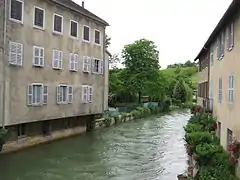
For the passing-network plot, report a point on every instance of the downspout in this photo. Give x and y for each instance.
(4, 60)
(104, 69)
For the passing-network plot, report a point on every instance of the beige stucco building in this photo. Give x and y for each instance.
(222, 52)
(53, 68)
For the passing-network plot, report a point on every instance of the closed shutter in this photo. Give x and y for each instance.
(58, 94)
(30, 94)
(70, 94)
(45, 94)
(90, 94)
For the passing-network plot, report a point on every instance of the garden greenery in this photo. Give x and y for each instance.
(204, 145)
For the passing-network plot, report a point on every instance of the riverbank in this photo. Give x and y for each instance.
(91, 124)
(207, 158)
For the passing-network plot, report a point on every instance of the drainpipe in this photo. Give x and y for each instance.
(104, 69)
(4, 61)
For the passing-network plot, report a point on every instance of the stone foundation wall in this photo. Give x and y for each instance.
(39, 139)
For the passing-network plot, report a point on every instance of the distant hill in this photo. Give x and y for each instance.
(191, 72)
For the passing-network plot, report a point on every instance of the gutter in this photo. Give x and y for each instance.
(4, 60)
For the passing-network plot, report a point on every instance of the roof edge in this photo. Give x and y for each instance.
(228, 13)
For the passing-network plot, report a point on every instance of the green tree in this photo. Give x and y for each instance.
(142, 65)
(107, 41)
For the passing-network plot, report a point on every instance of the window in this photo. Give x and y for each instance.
(38, 56)
(73, 28)
(220, 46)
(86, 33)
(73, 62)
(37, 94)
(220, 90)
(64, 94)
(15, 53)
(86, 64)
(97, 66)
(231, 89)
(229, 136)
(97, 37)
(230, 36)
(211, 56)
(57, 59)
(16, 10)
(57, 24)
(87, 94)
(21, 130)
(39, 18)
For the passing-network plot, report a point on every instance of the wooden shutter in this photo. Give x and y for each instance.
(60, 56)
(89, 65)
(75, 62)
(93, 66)
(58, 94)
(45, 94)
(30, 94)
(232, 35)
(101, 66)
(70, 94)
(85, 64)
(90, 94)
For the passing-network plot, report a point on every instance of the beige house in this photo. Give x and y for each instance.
(222, 52)
(53, 68)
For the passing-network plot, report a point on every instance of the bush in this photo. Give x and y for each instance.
(107, 121)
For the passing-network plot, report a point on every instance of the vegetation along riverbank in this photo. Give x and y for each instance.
(207, 158)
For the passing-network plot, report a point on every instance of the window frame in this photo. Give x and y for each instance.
(87, 64)
(87, 41)
(42, 95)
(67, 94)
(57, 32)
(16, 20)
(60, 61)
(71, 20)
(220, 94)
(9, 56)
(96, 30)
(75, 62)
(38, 65)
(36, 26)
(231, 88)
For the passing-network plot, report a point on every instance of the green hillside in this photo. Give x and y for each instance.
(188, 72)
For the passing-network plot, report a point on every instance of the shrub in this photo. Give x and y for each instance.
(107, 121)
(136, 113)
(124, 116)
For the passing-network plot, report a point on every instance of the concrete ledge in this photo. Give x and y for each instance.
(33, 141)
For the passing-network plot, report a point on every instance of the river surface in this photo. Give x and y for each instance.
(145, 149)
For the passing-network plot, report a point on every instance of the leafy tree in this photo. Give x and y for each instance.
(142, 65)
(113, 60)
(107, 41)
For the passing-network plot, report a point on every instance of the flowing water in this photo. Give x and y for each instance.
(145, 149)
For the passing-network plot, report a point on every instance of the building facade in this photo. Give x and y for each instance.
(53, 66)
(223, 49)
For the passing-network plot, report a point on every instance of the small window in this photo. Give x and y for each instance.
(231, 89)
(230, 36)
(57, 23)
(16, 10)
(38, 56)
(64, 94)
(39, 18)
(87, 94)
(21, 130)
(73, 62)
(15, 53)
(211, 56)
(86, 33)
(86, 64)
(57, 59)
(37, 94)
(97, 66)
(220, 90)
(74, 29)
(97, 37)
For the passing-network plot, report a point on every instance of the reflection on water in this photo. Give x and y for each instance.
(146, 149)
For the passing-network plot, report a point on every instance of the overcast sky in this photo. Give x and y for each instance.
(179, 28)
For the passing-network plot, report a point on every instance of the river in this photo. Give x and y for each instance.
(145, 149)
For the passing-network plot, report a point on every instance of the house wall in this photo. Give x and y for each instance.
(18, 78)
(226, 113)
